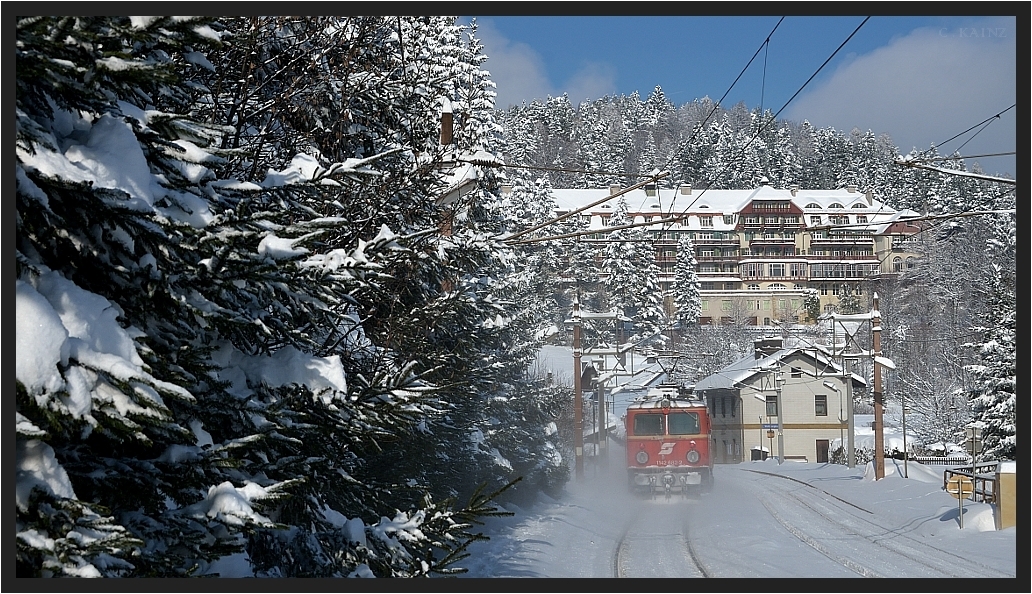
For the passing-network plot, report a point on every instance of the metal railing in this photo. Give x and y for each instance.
(982, 474)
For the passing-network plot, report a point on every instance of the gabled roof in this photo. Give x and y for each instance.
(743, 370)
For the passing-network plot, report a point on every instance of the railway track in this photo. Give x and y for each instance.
(890, 549)
(655, 543)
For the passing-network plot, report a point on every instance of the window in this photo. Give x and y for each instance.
(897, 264)
(835, 205)
(683, 423)
(798, 269)
(813, 205)
(729, 219)
(820, 405)
(752, 270)
(777, 270)
(777, 287)
(772, 220)
(861, 218)
(723, 406)
(910, 263)
(796, 372)
(725, 305)
(838, 219)
(772, 406)
(754, 287)
(648, 424)
(859, 205)
(706, 221)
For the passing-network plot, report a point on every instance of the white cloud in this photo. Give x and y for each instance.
(591, 82)
(521, 75)
(516, 69)
(923, 88)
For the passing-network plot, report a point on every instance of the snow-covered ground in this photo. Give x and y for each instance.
(761, 520)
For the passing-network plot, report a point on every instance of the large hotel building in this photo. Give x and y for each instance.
(758, 250)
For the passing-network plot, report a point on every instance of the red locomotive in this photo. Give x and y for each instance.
(668, 442)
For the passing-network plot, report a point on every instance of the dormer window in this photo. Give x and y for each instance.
(835, 205)
(813, 205)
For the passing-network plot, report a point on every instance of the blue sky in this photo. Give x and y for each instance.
(921, 80)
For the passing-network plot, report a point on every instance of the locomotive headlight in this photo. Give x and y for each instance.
(693, 456)
(642, 456)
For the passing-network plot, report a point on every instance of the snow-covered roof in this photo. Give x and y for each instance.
(678, 203)
(736, 374)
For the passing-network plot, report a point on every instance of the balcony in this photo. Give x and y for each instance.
(841, 256)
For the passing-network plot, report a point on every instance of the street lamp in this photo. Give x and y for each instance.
(759, 444)
(903, 401)
(841, 420)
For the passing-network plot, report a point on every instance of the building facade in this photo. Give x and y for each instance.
(758, 251)
(800, 383)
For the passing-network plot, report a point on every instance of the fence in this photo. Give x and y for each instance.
(943, 460)
(982, 474)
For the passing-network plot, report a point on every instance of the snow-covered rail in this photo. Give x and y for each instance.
(656, 543)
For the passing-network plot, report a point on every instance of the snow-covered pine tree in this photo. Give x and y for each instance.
(110, 198)
(631, 278)
(687, 298)
(220, 293)
(993, 401)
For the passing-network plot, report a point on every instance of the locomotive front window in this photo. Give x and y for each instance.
(648, 424)
(683, 423)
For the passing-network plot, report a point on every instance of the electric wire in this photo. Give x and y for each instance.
(985, 121)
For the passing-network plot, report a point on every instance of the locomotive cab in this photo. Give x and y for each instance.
(668, 442)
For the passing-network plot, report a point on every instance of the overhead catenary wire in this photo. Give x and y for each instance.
(956, 157)
(985, 121)
(774, 118)
(653, 178)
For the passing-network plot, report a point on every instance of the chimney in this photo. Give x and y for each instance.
(870, 197)
(851, 188)
(613, 189)
(686, 189)
(794, 189)
(650, 189)
(765, 347)
(764, 181)
(506, 188)
(446, 121)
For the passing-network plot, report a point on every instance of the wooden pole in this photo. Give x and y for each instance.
(578, 427)
(879, 433)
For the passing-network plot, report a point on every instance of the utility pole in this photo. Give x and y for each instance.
(578, 428)
(601, 434)
(851, 451)
(879, 433)
(781, 425)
